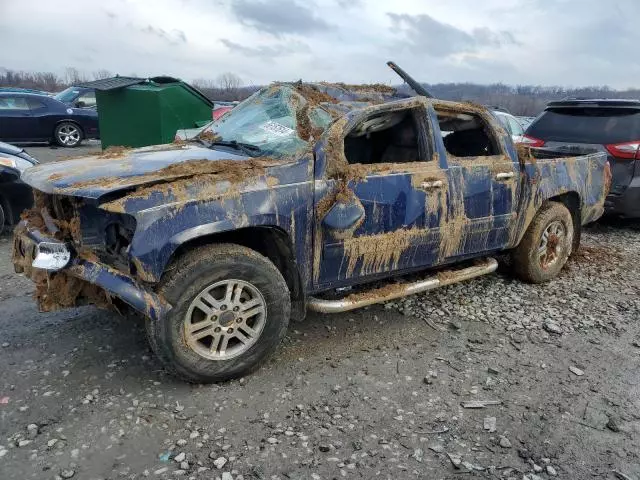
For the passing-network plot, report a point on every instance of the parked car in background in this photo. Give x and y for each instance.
(512, 125)
(26, 117)
(78, 97)
(190, 133)
(15, 196)
(609, 126)
(525, 121)
(220, 111)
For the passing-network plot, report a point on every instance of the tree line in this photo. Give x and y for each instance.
(527, 100)
(226, 87)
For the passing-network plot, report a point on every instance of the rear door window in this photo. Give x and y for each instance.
(13, 103)
(587, 125)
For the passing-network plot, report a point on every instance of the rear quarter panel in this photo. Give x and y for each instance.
(544, 179)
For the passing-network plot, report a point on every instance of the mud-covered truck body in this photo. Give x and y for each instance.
(304, 196)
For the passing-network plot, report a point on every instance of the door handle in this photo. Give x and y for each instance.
(505, 175)
(432, 185)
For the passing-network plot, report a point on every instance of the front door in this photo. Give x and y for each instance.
(383, 207)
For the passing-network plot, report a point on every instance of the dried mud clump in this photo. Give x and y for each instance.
(114, 152)
(525, 155)
(233, 170)
(57, 291)
(365, 88)
(179, 179)
(209, 136)
(313, 95)
(379, 294)
(378, 252)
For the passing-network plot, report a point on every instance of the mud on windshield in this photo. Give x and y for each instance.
(272, 122)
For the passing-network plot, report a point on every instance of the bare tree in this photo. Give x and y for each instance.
(229, 82)
(72, 76)
(204, 84)
(102, 73)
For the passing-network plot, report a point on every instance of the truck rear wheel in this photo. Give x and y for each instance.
(231, 309)
(546, 245)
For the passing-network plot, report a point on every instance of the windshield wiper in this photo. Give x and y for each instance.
(246, 148)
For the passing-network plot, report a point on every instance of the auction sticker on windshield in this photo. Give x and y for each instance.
(277, 129)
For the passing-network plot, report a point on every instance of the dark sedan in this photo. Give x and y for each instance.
(36, 118)
(15, 196)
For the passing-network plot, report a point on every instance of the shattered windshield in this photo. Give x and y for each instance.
(269, 121)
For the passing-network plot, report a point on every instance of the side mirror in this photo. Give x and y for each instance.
(344, 215)
(80, 104)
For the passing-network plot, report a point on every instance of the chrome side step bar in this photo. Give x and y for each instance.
(393, 291)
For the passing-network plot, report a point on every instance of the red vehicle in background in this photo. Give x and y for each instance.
(220, 111)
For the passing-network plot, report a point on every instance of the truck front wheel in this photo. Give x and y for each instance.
(231, 308)
(546, 245)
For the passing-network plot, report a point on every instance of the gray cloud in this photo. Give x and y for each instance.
(174, 37)
(486, 36)
(278, 17)
(425, 34)
(344, 40)
(350, 3)
(266, 51)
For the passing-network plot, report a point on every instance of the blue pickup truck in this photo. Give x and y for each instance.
(305, 196)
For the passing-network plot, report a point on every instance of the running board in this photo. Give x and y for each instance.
(393, 291)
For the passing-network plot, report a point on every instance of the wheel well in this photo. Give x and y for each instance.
(68, 121)
(571, 200)
(271, 242)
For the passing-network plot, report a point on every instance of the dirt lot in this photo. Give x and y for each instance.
(377, 393)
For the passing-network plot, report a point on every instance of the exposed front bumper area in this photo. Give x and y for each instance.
(64, 278)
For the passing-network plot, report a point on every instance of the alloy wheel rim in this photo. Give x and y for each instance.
(69, 135)
(551, 244)
(225, 320)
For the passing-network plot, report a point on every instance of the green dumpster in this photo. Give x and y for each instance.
(135, 112)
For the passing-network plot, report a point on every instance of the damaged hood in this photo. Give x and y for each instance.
(96, 176)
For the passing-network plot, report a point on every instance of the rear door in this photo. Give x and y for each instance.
(603, 129)
(483, 172)
(15, 118)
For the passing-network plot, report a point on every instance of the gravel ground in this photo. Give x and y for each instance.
(604, 267)
(514, 382)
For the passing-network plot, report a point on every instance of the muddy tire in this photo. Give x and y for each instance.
(231, 309)
(546, 245)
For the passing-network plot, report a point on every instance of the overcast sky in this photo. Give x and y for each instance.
(550, 42)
